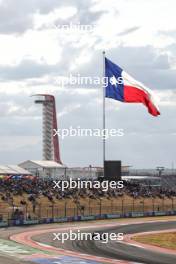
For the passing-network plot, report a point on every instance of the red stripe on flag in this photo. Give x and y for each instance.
(135, 95)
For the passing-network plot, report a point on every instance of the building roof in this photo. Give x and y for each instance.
(13, 170)
(45, 164)
(140, 178)
(19, 170)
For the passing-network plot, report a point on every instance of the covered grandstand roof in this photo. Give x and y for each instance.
(13, 170)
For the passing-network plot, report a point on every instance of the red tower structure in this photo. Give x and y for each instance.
(51, 149)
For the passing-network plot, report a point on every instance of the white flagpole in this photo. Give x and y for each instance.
(104, 116)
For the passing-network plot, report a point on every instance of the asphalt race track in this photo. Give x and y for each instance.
(34, 244)
(119, 250)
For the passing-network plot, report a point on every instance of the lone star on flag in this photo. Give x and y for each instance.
(113, 80)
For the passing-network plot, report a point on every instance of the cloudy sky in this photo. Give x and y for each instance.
(35, 50)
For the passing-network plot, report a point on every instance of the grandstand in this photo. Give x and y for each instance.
(36, 199)
(144, 180)
(166, 178)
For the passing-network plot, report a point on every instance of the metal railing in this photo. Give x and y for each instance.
(121, 207)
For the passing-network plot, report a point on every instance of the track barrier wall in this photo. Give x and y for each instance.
(11, 222)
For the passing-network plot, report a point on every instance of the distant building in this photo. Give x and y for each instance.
(44, 168)
(52, 169)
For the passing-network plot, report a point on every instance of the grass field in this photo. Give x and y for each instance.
(165, 240)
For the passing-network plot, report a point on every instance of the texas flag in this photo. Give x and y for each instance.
(122, 87)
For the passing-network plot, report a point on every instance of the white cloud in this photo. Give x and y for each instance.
(40, 46)
(9, 143)
(132, 33)
(51, 18)
(150, 16)
(167, 97)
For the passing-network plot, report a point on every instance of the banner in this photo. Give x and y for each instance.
(30, 222)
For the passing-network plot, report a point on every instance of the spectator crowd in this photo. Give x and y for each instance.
(36, 187)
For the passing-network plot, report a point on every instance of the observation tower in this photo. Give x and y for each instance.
(51, 150)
